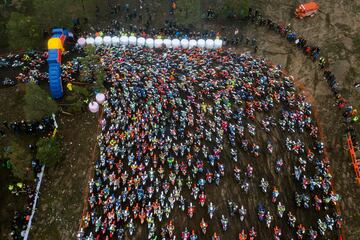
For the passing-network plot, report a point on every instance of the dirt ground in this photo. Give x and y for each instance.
(333, 29)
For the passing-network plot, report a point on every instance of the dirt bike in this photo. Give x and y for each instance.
(268, 219)
(261, 212)
(224, 222)
(279, 165)
(170, 228)
(277, 233)
(242, 212)
(203, 226)
(275, 195)
(202, 199)
(191, 210)
(280, 209)
(185, 235)
(131, 227)
(264, 185)
(211, 210)
(242, 235)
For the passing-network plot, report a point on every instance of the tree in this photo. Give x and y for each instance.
(188, 12)
(20, 159)
(48, 151)
(38, 103)
(23, 32)
(238, 8)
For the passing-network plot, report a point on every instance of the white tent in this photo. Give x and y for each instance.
(150, 42)
(93, 107)
(158, 43)
(218, 43)
(141, 41)
(184, 43)
(192, 43)
(201, 43)
(81, 41)
(167, 43)
(132, 40)
(107, 40)
(90, 41)
(175, 43)
(100, 98)
(124, 40)
(98, 41)
(209, 44)
(115, 41)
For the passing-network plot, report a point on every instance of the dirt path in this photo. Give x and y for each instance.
(62, 189)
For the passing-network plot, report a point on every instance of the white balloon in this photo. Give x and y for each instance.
(93, 107)
(141, 41)
(184, 43)
(107, 40)
(124, 40)
(150, 42)
(192, 43)
(98, 41)
(132, 40)
(175, 43)
(209, 44)
(100, 98)
(167, 42)
(201, 43)
(218, 43)
(158, 43)
(115, 41)
(90, 41)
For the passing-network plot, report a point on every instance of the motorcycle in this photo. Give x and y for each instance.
(202, 199)
(242, 213)
(170, 228)
(203, 226)
(131, 227)
(242, 235)
(280, 209)
(279, 165)
(268, 219)
(300, 231)
(215, 237)
(185, 235)
(261, 212)
(291, 219)
(275, 195)
(269, 147)
(245, 186)
(232, 208)
(191, 210)
(211, 210)
(277, 233)
(264, 185)
(249, 171)
(224, 222)
(237, 174)
(193, 235)
(252, 233)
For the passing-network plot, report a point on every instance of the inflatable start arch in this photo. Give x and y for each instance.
(55, 49)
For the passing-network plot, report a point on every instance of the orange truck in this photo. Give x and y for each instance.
(306, 10)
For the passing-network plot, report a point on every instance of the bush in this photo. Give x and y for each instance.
(38, 103)
(48, 151)
(20, 159)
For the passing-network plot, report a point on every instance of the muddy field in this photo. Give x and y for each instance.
(333, 29)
